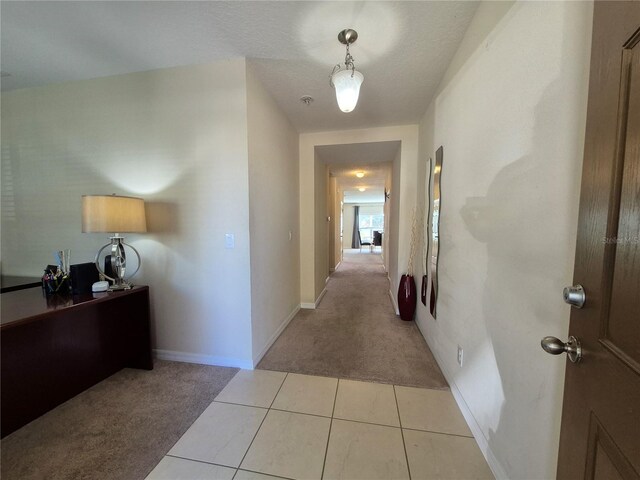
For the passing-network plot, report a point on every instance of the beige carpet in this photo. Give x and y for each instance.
(354, 333)
(118, 429)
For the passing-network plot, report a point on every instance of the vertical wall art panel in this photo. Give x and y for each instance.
(435, 226)
(427, 243)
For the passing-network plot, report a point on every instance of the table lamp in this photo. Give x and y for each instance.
(114, 214)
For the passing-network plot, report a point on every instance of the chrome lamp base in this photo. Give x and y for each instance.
(118, 263)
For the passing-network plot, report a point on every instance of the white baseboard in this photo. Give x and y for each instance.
(321, 296)
(202, 359)
(481, 440)
(394, 302)
(275, 336)
(312, 306)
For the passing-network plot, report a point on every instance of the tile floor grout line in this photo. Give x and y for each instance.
(404, 443)
(333, 417)
(366, 423)
(262, 422)
(300, 413)
(280, 388)
(260, 473)
(438, 433)
(241, 405)
(326, 450)
(252, 440)
(376, 382)
(199, 461)
(335, 398)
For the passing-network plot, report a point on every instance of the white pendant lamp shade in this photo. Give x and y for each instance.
(347, 84)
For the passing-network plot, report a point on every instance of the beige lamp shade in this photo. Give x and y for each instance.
(111, 213)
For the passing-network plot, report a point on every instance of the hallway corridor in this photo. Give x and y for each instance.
(355, 334)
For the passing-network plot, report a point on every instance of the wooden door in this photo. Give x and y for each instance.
(600, 434)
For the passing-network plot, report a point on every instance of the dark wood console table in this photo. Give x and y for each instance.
(54, 348)
(10, 283)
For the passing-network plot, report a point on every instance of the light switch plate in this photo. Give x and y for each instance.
(229, 240)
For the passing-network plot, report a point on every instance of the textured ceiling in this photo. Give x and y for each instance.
(403, 48)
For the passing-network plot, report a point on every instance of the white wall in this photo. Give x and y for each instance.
(349, 213)
(177, 138)
(321, 245)
(337, 230)
(273, 217)
(396, 266)
(511, 117)
(388, 184)
(313, 256)
(332, 187)
(347, 225)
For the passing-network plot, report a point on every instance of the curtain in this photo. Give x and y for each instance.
(355, 238)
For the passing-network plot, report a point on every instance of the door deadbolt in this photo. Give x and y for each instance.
(555, 346)
(574, 296)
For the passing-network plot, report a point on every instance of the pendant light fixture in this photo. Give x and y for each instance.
(346, 80)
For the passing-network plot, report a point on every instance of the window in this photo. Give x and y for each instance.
(369, 224)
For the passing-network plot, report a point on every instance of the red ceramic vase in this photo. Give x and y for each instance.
(407, 297)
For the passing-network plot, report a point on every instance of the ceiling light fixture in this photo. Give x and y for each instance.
(346, 80)
(359, 174)
(361, 189)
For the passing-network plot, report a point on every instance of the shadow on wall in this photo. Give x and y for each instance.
(162, 217)
(159, 261)
(522, 248)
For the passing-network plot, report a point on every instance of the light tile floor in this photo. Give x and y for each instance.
(273, 425)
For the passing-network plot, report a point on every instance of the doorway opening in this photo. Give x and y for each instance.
(358, 177)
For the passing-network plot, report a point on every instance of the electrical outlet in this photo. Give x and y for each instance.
(460, 355)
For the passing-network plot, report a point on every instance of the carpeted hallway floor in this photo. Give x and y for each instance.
(354, 333)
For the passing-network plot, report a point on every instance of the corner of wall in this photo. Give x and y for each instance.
(274, 218)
